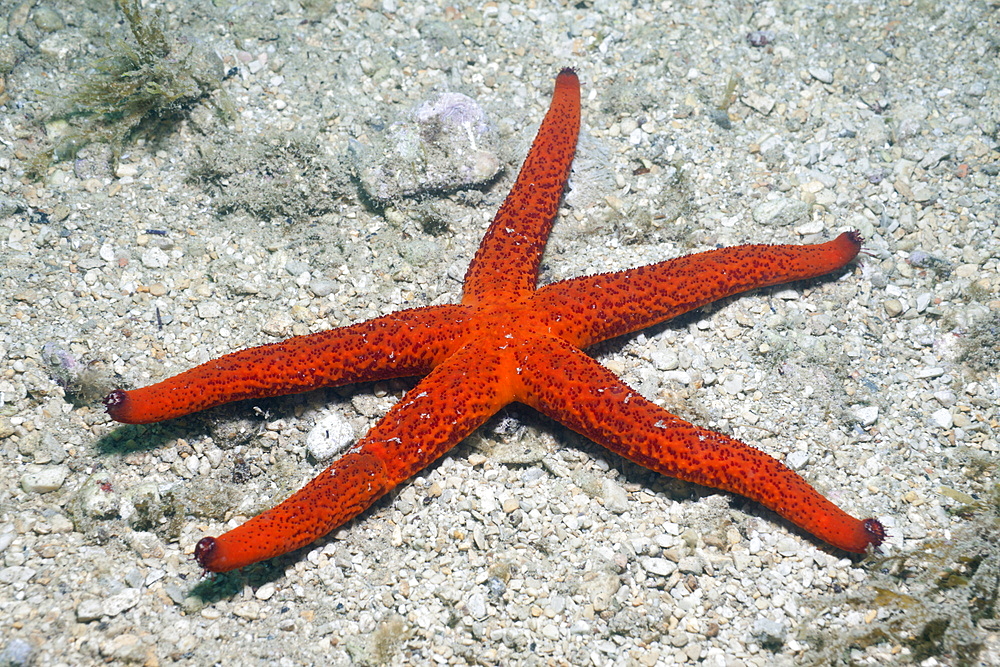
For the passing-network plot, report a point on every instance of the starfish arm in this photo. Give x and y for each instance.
(590, 309)
(565, 384)
(446, 406)
(507, 260)
(409, 342)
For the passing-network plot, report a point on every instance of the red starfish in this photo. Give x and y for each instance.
(508, 341)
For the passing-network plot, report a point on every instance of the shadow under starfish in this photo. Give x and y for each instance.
(508, 341)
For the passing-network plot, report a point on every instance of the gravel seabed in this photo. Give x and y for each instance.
(527, 544)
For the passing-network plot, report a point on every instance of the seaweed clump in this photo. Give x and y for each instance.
(280, 175)
(148, 79)
(939, 601)
(981, 347)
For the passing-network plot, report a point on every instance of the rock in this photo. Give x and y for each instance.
(781, 212)
(154, 258)
(821, 74)
(866, 415)
(942, 418)
(893, 307)
(476, 606)
(661, 567)
(88, 610)
(120, 602)
(770, 634)
(331, 435)
(44, 480)
(615, 498)
(759, 102)
(442, 144)
(17, 653)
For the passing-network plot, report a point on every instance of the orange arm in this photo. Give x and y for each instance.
(590, 309)
(507, 260)
(447, 405)
(567, 385)
(406, 343)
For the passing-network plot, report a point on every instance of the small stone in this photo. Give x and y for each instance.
(942, 418)
(209, 310)
(922, 301)
(787, 546)
(17, 653)
(321, 287)
(759, 102)
(732, 384)
(932, 158)
(664, 359)
(61, 524)
(600, 589)
(691, 565)
(680, 377)
(154, 258)
(279, 324)
(119, 602)
(661, 567)
(88, 610)
(476, 606)
(821, 74)
(331, 435)
(157, 289)
(296, 267)
(679, 639)
(44, 480)
(867, 415)
(265, 592)
(893, 307)
(47, 20)
(966, 270)
(97, 498)
(146, 544)
(946, 397)
(780, 212)
(126, 169)
(760, 38)
(922, 193)
(797, 459)
(770, 634)
(126, 648)
(615, 497)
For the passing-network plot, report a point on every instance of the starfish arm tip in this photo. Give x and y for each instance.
(204, 552)
(874, 531)
(117, 404)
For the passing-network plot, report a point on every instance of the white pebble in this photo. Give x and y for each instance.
(154, 258)
(661, 567)
(120, 602)
(265, 592)
(867, 415)
(615, 498)
(476, 606)
(45, 480)
(942, 418)
(329, 437)
(208, 309)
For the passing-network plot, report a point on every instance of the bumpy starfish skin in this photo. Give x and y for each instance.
(509, 342)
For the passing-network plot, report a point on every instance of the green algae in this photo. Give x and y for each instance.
(147, 81)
